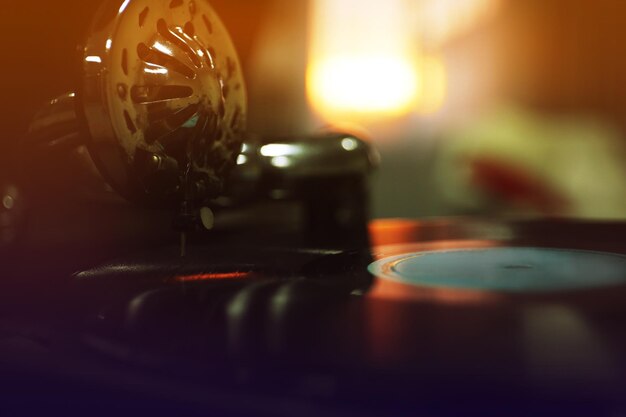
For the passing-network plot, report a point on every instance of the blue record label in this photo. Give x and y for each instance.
(508, 269)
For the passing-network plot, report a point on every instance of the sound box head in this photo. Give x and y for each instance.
(163, 99)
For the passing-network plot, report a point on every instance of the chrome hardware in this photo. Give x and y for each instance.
(162, 101)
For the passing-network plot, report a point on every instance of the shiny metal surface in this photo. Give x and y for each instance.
(163, 98)
(321, 156)
(289, 167)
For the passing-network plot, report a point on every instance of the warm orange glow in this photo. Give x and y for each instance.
(211, 277)
(380, 59)
(363, 61)
(379, 85)
(393, 231)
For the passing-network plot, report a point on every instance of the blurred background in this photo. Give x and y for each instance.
(478, 107)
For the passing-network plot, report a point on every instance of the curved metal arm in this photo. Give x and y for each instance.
(265, 168)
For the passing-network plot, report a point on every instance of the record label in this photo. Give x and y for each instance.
(511, 269)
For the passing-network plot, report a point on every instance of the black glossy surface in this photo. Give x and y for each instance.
(288, 335)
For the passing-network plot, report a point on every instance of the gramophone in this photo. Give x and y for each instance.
(405, 317)
(158, 118)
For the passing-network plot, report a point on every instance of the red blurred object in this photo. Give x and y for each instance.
(211, 277)
(516, 186)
